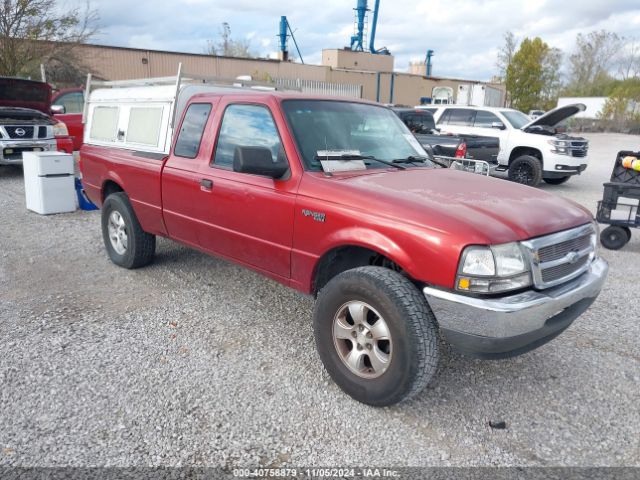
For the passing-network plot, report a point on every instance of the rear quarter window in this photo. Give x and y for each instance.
(192, 129)
(462, 117)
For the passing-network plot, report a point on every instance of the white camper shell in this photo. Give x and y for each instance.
(140, 115)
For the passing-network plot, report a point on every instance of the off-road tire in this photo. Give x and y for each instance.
(526, 170)
(557, 180)
(614, 237)
(411, 323)
(141, 245)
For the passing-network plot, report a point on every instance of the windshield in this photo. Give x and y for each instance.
(353, 128)
(516, 119)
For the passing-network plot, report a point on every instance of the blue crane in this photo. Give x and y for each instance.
(357, 40)
(285, 27)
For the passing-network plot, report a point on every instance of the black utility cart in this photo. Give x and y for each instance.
(619, 207)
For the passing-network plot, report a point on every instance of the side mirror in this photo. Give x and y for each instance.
(498, 125)
(258, 161)
(58, 110)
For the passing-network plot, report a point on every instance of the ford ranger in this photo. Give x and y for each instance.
(336, 199)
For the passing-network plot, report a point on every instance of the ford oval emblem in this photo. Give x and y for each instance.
(573, 257)
(20, 132)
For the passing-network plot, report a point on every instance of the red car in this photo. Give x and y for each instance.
(337, 199)
(66, 106)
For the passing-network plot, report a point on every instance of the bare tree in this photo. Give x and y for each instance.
(505, 58)
(629, 59)
(33, 32)
(227, 46)
(505, 54)
(590, 65)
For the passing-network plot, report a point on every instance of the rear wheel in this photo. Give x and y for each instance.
(615, 237)
(127, 244)
(557, 180)
(376, 335)
(526, 170)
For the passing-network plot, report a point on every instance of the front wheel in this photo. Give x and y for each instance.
(127, 244)
(526, 170)
(615, 237)
(557, 180)
(376, 335)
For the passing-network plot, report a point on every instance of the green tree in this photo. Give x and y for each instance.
(34, 32)
(533, 78)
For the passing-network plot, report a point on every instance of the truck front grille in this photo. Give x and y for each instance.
(560, 257)
(564, 270)
(18, 132)
(579, 149)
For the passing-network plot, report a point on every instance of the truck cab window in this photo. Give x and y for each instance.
(188, 143)
(72, 102)
(246, 126)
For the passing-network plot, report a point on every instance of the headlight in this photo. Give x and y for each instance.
(560, 146)
(60, 129)
(494, 269)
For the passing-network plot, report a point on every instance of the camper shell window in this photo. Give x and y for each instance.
(104, 124)
(144, 125)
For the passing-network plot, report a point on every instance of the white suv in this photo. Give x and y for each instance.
(530, 150)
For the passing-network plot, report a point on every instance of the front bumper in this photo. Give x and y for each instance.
(562, 171)
(512, 325)
(21, 146)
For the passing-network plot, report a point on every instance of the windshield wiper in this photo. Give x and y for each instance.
(348, 156)
(411, 159)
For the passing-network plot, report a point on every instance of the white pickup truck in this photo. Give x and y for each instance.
(530, 150)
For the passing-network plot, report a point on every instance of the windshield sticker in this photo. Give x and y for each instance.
(331, 166)
(337, 153)
(414, 143)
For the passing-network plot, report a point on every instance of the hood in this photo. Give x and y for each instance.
(16, 92)
(557, 115)
(470, 208)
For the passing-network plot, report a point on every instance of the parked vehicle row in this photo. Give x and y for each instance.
(530, 150)
(423, 126)
(337, 199)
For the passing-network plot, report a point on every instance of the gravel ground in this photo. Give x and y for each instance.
(194, 361)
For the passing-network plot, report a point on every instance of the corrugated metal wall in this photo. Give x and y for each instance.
(321, 88)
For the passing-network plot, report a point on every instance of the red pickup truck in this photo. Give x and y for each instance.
(336, 199)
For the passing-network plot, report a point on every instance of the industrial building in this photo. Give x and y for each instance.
(343, 72)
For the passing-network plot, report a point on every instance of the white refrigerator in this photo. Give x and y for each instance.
(49, 182)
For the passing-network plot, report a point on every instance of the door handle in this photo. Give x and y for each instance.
(206, 184)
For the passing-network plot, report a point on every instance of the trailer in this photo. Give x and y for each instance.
(479, 95)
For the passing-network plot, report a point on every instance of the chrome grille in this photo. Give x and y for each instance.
(560, 257)
(19, 133)
(563, 270)
(560, 250)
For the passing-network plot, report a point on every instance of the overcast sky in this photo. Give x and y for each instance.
(465, 34)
